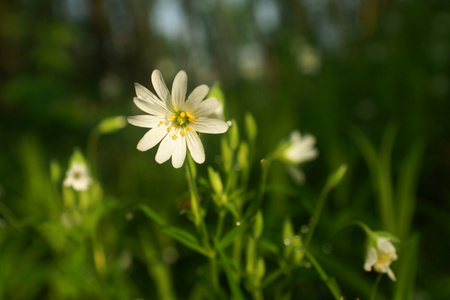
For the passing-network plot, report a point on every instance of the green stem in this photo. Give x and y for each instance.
(272, 277)
(200, 224)
(265, 166)
(331, 284)
(316, 215)
(373, 294)
(220, 224)
(237, 255)
(362, 226)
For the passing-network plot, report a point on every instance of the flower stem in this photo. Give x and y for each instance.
(373, 293)
(362, 226)
(265, 166)
(331, 284)
(200, 223)
(316, 215)
(220, 224)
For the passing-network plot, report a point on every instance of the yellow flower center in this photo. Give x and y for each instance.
(181, 119)
(382, 258)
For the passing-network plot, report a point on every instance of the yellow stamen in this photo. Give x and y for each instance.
(383, 259)
(188, 128)
(162, 122)
(175, 136)
(191, 117)
(182, 114)
(170, 127)
(182, 132)
(175, 108)
(172, 117)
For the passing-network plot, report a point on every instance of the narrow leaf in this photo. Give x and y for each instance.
(234, 287)
(231, 235)
(180, 235)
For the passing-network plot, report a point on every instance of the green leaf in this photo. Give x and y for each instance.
(234, 286)
(382, 184)
(180, 235)
(406, 187)
(231, 235)
(407, 267)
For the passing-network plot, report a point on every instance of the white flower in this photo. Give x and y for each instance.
(380, 254)
(300, 149)
(174, 120)
(78, 177)
(296, 150)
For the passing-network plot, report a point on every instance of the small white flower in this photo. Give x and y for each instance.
(300, 149)
(78, 177)
(380, 254)
(174, 120)
(296, 150)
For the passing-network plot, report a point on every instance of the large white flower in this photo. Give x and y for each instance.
(380, 254)
(78, 177)
(174, 120)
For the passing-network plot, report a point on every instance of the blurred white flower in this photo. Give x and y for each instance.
(380, 254)
(300, 149)
(78, 177)
(175, 120)
(295, 151)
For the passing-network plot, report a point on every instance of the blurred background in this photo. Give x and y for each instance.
(321, 66)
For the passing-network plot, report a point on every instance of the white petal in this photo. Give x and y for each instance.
(385, 245)
(179, 89)
(143, 93)
(391, 274)
(166, 148)
(371, 258)
(296, 136)
(206, 108)
(145, 121)
(179, 152)
(160, 86)
(150, 108)
(208, 125)
(151, 138)
(195, 146)
(197, 95)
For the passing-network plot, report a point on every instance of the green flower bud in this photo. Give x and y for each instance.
(335, 178)
(251, 256)
(234, 135)
(251, 127)
(243, 155)
(216, 181)
(227, 155)
(260, 269)
(259, 225)
(112, 124)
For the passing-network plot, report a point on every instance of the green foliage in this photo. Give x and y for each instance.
(374, 92)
